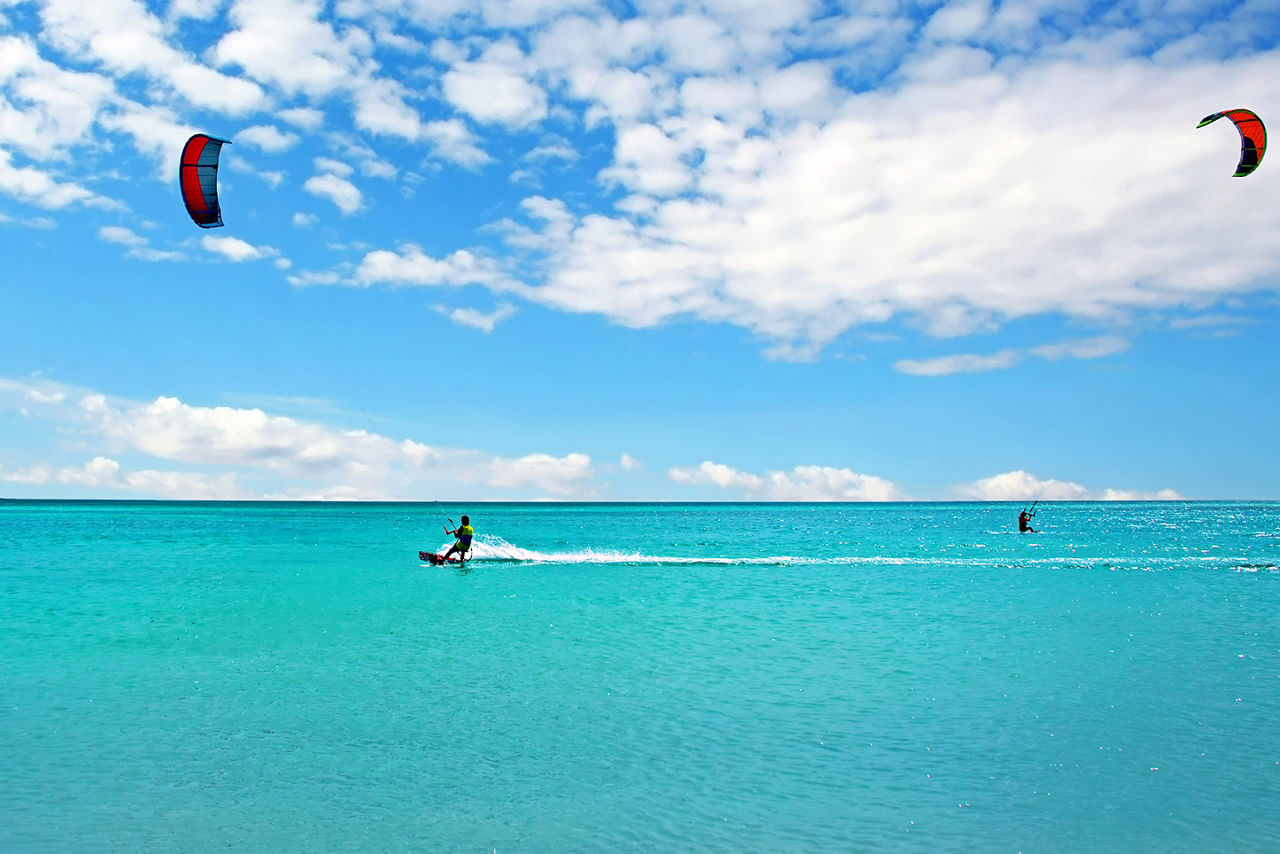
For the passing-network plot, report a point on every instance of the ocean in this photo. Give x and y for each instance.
(640, 677)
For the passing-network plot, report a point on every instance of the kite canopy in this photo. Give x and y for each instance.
(1253, 137)
(198, 178)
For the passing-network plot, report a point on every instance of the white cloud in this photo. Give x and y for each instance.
(1021, 485)
(312, 277)
(283, 43)
(340, 191)
(29, 184)
(629, 463)
(287, 44)
(105, 473)
(38, 396)
(475, 319)
(48, 108)
(126, 38)
(155, 132)
(334, 167)
(411, 266)
(1083, 348)
(826, 483)
(235, 249)
(647, 160)
(36, 475)
(139, 248)
(454, 142)
(803, 483)
(1137, 495)
(803, 230)
(717, 474)
(561, 150)
(958, 364)
(221, 448)
(381, 107)
(567, 475)
(1076, 348)
(169, 429)
(268, 138)
(40, 222)
(491, 91)
(1216, 320)
(121, 235)
(307, 118)
(200, 10)
(695, 43)
(958, 21)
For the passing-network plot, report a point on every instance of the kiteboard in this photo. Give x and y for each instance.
(437, 559)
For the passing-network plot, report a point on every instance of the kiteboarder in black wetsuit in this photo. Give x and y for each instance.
(1024, 520)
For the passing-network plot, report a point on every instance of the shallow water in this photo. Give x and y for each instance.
(765, 677)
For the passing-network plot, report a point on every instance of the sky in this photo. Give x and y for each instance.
(604, 250)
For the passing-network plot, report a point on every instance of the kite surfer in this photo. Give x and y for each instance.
(1024, 519)
(462, 544)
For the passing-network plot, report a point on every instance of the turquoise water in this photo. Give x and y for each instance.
(650, 677)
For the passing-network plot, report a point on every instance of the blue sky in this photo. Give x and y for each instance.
(569, 249)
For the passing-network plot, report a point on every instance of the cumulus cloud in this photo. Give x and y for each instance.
(803, 483)
(475, 319)
(235, 249)
(454, 142)
(32, 185)
(126, 38)
(716, 474)
(492, 90)
(253, 441)
(561, 476)
(332, 185)
(1019, 485)
(411, 266)
(218, 451)
(103, 473)
(268, 137)
(139, 246)
(48, 108)
(307, 118)
(757, 185)
(121, 235)
(1138, 495)
(803, 230)
(284, 43)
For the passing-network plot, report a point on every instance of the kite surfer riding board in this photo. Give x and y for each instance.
(457, 552)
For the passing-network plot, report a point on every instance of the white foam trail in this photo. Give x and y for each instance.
(493, 549)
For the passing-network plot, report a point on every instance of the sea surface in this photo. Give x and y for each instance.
(640, 677)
